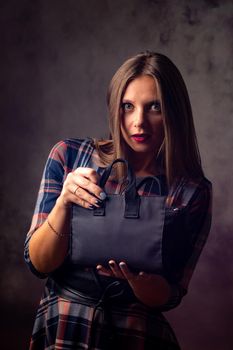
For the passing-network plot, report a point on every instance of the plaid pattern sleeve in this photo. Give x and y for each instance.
(64, 157)
(197, 228)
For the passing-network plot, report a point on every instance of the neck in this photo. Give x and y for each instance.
(144, 165)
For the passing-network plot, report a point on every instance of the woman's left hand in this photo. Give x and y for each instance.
(151, 289)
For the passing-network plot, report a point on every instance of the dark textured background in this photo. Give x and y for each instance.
(56, 60)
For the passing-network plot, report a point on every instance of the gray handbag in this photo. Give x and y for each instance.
(127, 227)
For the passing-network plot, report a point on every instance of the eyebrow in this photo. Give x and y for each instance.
(147, 103)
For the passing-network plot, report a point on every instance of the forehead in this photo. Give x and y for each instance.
(144, 86)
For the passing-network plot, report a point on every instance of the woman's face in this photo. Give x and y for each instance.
(141, 119)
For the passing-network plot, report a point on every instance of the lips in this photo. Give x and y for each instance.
(140, 137)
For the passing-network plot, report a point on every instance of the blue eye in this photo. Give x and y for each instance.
(127, 106)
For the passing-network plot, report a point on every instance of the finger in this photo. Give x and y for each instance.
(81, 202)
(88, 173)
(126, 272)
(67, 198)
(146, 276)
(85, 197)
(115, 269)
(76, 187)
(88, 178)
(104, 271)
(86, 184)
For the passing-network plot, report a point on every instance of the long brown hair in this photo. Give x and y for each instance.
(179, 152)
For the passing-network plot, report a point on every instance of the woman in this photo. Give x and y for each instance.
(151, 126)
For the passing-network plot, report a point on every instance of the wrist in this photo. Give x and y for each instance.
(61, 204)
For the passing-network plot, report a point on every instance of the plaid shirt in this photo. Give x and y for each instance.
(67, 155)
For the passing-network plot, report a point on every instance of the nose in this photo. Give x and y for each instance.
(139, 117)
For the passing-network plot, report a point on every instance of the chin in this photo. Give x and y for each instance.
(141, 148)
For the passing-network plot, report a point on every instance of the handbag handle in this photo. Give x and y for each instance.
(108, 170)
(153, 178)
(132, 199)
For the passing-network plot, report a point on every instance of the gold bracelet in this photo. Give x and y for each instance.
(57, 233)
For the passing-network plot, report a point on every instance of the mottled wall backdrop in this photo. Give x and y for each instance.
(57, 58)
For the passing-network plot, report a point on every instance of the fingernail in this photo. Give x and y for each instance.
(111, 263)
(98, 267)
(98, 202)
(122, 264)
(103, 196)
(91, 206)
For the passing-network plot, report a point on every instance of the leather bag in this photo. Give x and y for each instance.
(127, 227)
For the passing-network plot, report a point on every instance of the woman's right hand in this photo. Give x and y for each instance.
(80, 187)
(48, 246)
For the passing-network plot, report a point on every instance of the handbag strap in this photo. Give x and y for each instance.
(132, 199)
(108, 170)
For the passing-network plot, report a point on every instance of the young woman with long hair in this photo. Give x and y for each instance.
(151, 126)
